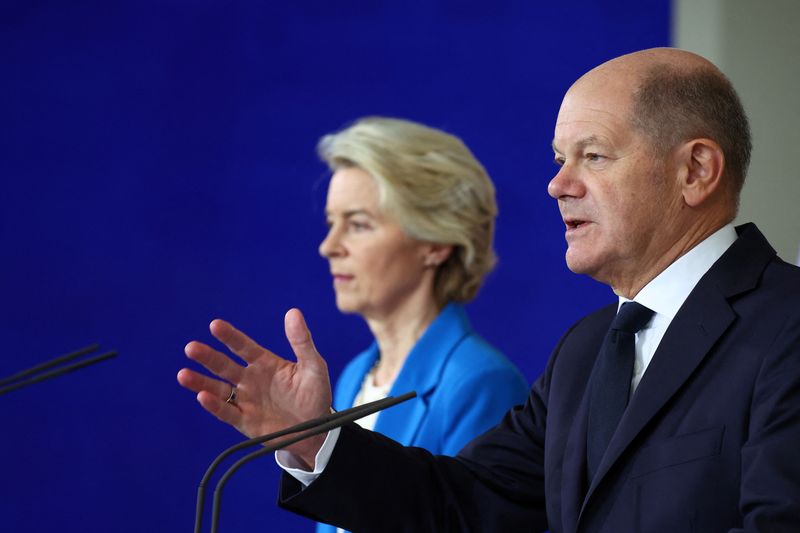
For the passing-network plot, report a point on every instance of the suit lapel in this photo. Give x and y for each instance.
(573, 475)
(701, 321)
(582, 355)
(693, 332)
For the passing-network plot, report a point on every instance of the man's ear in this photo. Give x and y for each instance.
(701, 164)
(436, 254)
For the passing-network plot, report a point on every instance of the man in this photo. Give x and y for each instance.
(685, 417)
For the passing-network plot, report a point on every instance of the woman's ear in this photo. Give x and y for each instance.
(436, 254)
(701, 163)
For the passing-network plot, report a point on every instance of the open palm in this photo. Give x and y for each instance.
(271, 392)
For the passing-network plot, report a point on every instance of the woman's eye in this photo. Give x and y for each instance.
(358, 226)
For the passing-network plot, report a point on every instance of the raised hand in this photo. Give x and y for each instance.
(269, 392)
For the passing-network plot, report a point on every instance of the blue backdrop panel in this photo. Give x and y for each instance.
(158, 170)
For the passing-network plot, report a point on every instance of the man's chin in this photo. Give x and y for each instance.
(579, 263)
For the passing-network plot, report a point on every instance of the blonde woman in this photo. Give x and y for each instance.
(411, 222)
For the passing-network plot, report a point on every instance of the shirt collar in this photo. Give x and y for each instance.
(666, 292)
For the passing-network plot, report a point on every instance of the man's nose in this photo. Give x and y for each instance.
(565, 183)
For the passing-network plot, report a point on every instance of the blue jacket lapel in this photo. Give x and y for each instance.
(350, 384)
(422, 373)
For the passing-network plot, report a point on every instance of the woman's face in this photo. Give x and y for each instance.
(376, 267)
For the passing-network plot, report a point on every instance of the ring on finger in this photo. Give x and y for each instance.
(232, 396)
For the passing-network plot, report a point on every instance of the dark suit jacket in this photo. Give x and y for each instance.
(709, 443)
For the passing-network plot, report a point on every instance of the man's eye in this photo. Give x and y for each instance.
(558, 160)
(591, 156)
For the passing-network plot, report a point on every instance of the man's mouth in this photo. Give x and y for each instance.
(574, 223)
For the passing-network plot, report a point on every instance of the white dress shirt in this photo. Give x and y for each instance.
(665, 294)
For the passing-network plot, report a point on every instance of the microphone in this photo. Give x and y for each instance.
(258, 440)
(22, 379)
(309, 428)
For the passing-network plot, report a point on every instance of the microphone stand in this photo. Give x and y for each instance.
(22, 379)
(309, 428)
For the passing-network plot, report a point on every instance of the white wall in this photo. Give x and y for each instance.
(757, 44)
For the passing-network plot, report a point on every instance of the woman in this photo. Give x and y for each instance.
(411, 221)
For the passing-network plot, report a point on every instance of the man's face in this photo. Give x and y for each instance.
(613, 190)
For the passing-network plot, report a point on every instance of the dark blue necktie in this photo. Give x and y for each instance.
(610, 383)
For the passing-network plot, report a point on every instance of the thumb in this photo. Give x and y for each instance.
(299, 336)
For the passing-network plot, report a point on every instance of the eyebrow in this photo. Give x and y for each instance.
(352, 212)
(581, 144)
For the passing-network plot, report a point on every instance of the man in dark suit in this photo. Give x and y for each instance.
(680, 412)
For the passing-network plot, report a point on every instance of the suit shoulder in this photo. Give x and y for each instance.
(783, 275)
(776, 293)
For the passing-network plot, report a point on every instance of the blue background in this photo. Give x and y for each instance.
(158, 170)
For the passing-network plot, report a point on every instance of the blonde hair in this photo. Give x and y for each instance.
(432, 186)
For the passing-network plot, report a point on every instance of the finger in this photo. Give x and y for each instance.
(237, 341)
(228, 413)
(198, 383)
(300, 337)
(215, 362)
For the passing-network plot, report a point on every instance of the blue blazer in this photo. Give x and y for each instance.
(464, 387)
(710, 441)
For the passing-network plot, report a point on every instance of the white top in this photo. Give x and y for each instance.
(369, 393)
(665, 295)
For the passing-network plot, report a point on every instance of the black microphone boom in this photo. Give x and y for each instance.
(201, 495)
(308, 429)
(37, 373)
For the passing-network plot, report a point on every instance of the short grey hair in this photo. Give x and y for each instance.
(432, 186)
(673, 105)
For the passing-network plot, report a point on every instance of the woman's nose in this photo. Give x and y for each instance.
(330, 245)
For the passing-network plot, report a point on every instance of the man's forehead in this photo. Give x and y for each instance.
(577, 143)
(581, 125)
